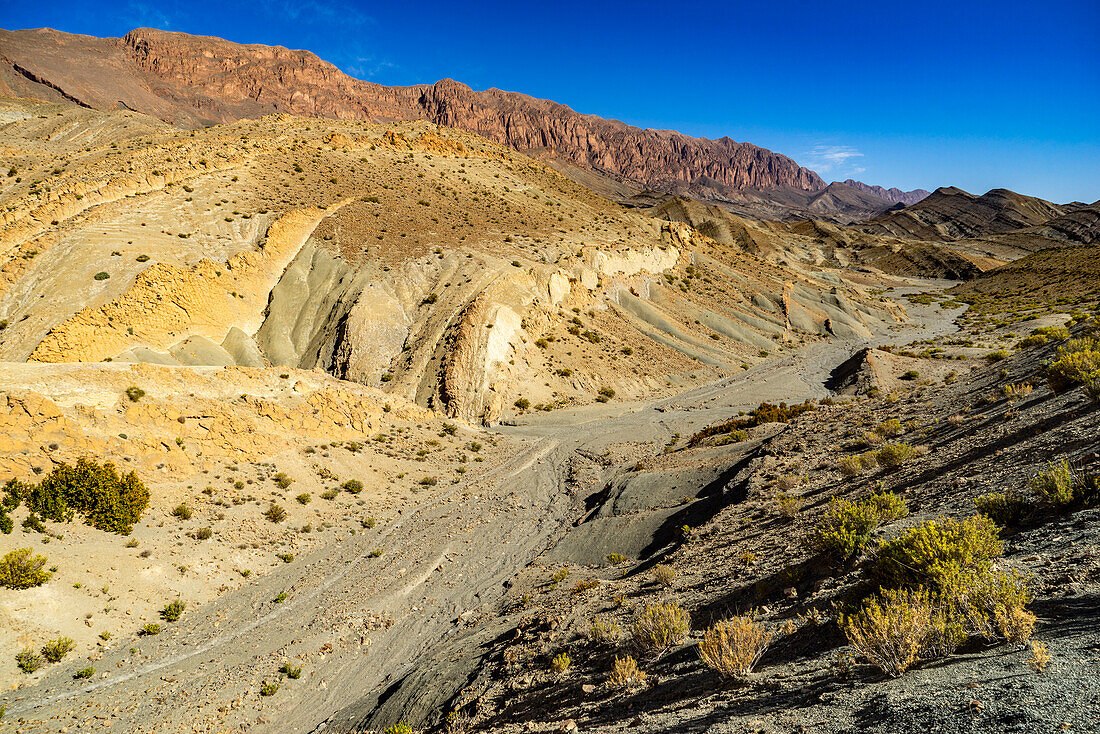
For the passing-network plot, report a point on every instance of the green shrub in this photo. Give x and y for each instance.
(28, 661)
(1003, 508)
(910, 375)
(354, 486)
(893, 455)
(55, 650)
(84, 673)
(890, 428)
(1077, 362)
(105, 500)
(21, 569)
(399, 728)
(101, 275)
(269, 689)
(182, 511)
(173, 611)
(1055, 484)
(937, 553)
(275, 513)
(304, 498)
(150, 629)
(523, 403)
(560, 663)
(204, 534)
(282, 481)
(290, 671)
(134, 393)
(847, 526)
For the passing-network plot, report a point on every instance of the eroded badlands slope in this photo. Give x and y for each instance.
(425, 261)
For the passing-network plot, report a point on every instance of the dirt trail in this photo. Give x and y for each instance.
(400, 632)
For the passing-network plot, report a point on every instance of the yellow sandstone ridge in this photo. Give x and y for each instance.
(167, 302)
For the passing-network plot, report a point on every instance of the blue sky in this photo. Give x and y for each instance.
(921, 94)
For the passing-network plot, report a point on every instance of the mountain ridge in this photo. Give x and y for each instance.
(193, 81)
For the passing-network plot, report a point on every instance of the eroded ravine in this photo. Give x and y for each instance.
(400, 636)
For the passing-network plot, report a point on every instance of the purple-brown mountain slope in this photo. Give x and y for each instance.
(893, 195)
(196, 80)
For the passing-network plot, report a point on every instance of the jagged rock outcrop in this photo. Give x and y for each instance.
(196, 80)
(893, 195)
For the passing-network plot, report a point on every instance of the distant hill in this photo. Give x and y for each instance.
(953, 214)
(894, 195)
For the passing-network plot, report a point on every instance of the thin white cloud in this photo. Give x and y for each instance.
(840, 158)
(365, 67)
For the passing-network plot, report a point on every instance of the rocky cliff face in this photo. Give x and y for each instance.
(195, 80)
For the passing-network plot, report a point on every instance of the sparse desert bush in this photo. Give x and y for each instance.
(290, 671)
(84, 673)
(659, 628)
(1054, 484)
(626, 674)
(173, 611)
(134, 393)
(585, 585)
(856, 464)
(282, 481)
(938, 553)
(890, 428)
(664, 575)
(523, 403)
(399, 728)
(22, 569)
(616, 558)
(352, 486)
(55, 651)
(329, 494)
(1017, 391)
(304, 498)
(1077, 363)
(1004, 508)
(789, 504)
(560, 663)
(846, 528)
(29, 661)
(600, 631)
(204, 534)
(96, 491)
(1040, 657)
(150, 629)
(891, 629)
(269, 689)
(429, 481)
(182, 511)
(893, 455)
(735, 646)
(910, 375)
(275, 513)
